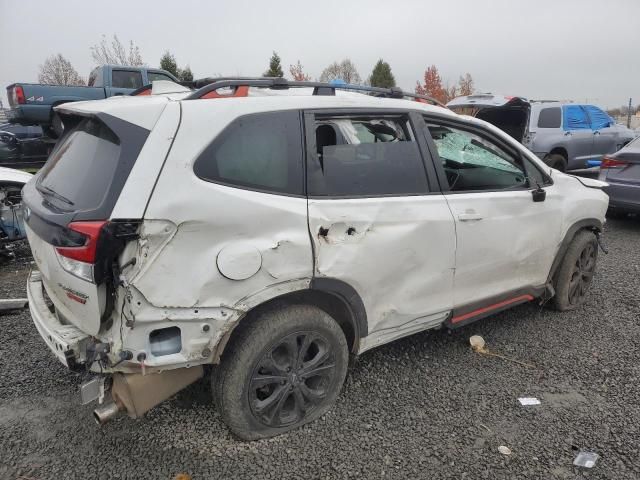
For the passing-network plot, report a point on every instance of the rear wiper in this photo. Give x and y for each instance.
(48, 191)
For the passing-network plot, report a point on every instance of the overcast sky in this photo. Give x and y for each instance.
(552, 49)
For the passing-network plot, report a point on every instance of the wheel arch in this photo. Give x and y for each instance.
(339, 299)
(591, 224)
(560, 151)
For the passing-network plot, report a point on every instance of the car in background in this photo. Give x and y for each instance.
(22, 131)
(11, 213)
(32, 103)
(23, 153)
(621, 170)
(566, 136)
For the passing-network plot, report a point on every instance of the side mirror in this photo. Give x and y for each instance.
(539, 194)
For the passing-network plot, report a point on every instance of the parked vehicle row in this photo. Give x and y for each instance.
(567, 136)
(23, 146)
(32, 104)
(621, 171)
(275, 235)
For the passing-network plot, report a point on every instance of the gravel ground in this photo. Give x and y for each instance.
(423, 407)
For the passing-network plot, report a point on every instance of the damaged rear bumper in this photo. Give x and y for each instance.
(67, 342)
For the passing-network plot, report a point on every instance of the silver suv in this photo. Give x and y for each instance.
(567, 136)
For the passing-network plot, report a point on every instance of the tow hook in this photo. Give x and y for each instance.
(601, 243)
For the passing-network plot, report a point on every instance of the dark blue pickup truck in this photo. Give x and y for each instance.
(32, 103)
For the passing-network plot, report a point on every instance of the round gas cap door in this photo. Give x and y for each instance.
(239, 261)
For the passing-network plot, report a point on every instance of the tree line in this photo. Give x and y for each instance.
(56, 69)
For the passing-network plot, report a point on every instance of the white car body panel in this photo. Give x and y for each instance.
(399, 257)
(11, 175)
(208, 253)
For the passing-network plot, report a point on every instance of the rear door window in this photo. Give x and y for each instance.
(575, 118)
(550, 117)
(366, 155)
(126, 79)
(80, 170)
(260, 152)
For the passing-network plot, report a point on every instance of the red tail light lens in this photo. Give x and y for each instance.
(18, 95)
(87, 252)
(608, 162)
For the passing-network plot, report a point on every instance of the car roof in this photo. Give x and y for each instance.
(130, 108)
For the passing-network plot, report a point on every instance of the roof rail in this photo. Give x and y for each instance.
(206, 88)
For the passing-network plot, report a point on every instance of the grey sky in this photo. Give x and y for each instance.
(564, 49)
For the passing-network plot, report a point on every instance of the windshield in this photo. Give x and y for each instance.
(80, 170)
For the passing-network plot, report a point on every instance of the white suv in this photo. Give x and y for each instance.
(274, 233)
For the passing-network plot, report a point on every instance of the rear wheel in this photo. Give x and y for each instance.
(557, 161)
(283, 370)
(576, 271)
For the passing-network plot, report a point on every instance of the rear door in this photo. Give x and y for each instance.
(505, 240)
(577, 129)
(376, 221)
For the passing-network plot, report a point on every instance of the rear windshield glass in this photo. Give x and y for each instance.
(80, 170)
(550, 117)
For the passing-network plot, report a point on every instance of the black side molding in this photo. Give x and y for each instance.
(347, 294)
(592, 224)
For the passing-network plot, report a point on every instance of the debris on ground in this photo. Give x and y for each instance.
(504, 450)
(479, 346)
(13, 304)
(529, 401)
(586, 459)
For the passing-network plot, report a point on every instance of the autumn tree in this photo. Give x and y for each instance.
(297, 73)
(57, 70)
(275, 69)
(432, 86)
(381, 75)
(114, 53)
(465, 85)
(345, 71)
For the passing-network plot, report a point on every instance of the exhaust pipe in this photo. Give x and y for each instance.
(106, 412)
(136, 393)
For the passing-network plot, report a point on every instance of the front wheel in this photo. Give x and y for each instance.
(576, 271)
(283, 370)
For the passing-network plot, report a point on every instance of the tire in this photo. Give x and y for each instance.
(57, 126)
(557, 161)
(265, 385)
(576, 271)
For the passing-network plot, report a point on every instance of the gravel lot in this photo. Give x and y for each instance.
(423, 407)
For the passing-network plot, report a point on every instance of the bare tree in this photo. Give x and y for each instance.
(57, 70)
(115, 53)
(345, 71)
(465, 85)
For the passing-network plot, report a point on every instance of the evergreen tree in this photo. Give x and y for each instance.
(168, 63)
(186, 75)
(381, 75)
(275, 69)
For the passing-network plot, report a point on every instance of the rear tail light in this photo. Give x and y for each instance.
(18, 95)
(609, 162)
(79, 260)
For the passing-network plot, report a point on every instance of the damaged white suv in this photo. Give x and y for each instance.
(274, 233)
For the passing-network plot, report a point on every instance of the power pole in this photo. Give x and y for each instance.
(629, 115)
